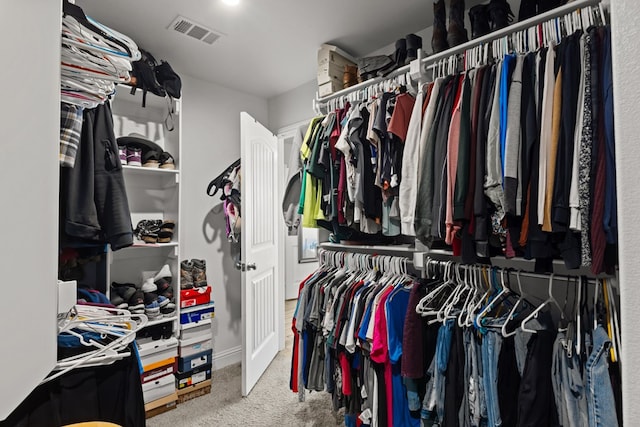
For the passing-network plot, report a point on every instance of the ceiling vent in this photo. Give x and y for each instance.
(189, 28)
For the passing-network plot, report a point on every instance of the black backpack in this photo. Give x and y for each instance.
(144, 71)
(169, 79)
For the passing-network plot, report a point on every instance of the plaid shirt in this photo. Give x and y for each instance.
(70, 128)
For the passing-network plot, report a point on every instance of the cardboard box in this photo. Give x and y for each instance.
(197, 344)
(161, 406)
(155, 353)
(329, 88)
(195, 296)
(197, 314)
(195, 376)
(158, 388)
(191, 330)
(333, 54)
(330, 71)
(162, 368)
(189, 363)
(193, 391)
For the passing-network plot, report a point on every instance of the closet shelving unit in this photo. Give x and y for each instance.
(152, 193)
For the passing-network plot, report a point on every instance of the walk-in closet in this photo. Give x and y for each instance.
(363, 213)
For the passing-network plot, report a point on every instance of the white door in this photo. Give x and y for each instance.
(262, 292)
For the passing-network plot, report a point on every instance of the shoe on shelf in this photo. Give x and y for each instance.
(164, 273)
(439, 38)
(163, 301)
(136, 303)
(122, 153)
(147, 230)
(186, 274)
(134, 156)
(199, 273)
(414, 44)
(479, 17)
(166, 161)
(151, 306)
(166, 231)
(456, 33)
(167, 293)
(151, 159)
(500, 14)
(166, 330)
(149, 286)
(118, 301)
(124, 290)
(168, 310)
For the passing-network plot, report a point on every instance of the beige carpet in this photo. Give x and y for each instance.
(270, 403)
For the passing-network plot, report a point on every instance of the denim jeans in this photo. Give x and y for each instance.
(473, 411)
(434, 399)
(490, 353)
(600, 401)
(568, 386)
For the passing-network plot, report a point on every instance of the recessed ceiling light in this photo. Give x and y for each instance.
(231, 2)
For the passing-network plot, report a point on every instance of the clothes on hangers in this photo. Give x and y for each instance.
(366, 336)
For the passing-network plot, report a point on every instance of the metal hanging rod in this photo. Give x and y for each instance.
(423, 64)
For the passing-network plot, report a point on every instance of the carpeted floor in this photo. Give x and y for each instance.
(270, 403)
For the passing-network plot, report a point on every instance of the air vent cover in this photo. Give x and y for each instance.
(190, 28)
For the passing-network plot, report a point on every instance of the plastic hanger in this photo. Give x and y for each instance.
(535, 312)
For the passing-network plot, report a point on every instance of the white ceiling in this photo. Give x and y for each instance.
(270, 46)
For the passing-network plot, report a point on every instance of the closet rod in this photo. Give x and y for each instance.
(522, 25)
(429, 61)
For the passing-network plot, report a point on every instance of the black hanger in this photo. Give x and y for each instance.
(218, 182)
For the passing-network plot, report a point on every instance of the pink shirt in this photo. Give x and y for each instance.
(380, 350)
(452, 161)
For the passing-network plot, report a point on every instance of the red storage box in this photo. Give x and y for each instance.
(195, 296)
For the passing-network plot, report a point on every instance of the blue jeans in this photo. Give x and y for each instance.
(434, 398)
(568, 386)
(491, 347)
(600, 401)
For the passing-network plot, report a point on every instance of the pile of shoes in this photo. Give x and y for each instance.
(134, 156)
(193, 274)
(136, 150)
(155, 230)
(406, 50)
(153, 297)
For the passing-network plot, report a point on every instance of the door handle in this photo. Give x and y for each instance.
(244, 267)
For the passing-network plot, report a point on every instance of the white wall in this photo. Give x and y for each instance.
(211, 142)
(626, 91)
(292, 107)
(30, 123)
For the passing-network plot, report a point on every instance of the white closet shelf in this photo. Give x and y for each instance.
(197, 308)
(138, 245)
(160, 321)
(149, 171)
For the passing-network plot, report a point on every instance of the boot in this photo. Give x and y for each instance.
(456, 34)
(400, 55)
(199, 273)
(479, 17)
(439, 38)
(547, 5)
(414, 43)
(186, 274)
(528, 9)
(500, 14)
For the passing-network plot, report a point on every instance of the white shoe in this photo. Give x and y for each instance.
(149, 286)
(164, 272)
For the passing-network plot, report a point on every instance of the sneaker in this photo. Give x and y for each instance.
(122, 153)
(147, 230)
(164, 273)
(118, 301)
(168, 293)
(134, 156)
(199, 273)
(151, 159)
(136, 303)
(149, 286)
(168, 310)
(166, 161)
(124, 290)
(163, 301)
(186, 275)
(166, 329)
(151, 306)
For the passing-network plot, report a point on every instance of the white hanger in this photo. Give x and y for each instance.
(535, 312)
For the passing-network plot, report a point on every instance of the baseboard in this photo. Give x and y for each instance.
(227, 357)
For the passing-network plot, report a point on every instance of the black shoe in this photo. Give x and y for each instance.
(456, 33)
(500, 14)
(528, 9)
(479, 17)
(414, 43)
(439, 37)
(151, 159)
